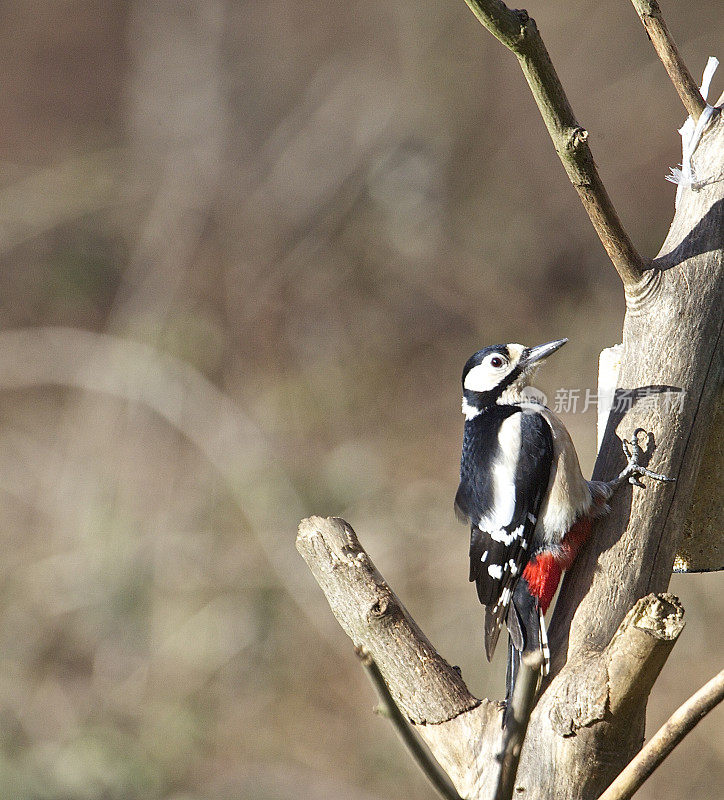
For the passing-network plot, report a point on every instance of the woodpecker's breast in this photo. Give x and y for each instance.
(568, 496)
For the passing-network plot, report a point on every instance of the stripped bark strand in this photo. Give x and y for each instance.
(518, 718)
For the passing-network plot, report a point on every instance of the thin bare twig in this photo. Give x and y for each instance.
(517, 720)
(417, 749)
(666, 49)
(666, 738)
(518, 32)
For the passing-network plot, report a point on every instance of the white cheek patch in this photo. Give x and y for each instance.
(482, 378)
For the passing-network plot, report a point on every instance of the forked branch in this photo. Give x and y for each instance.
(464, 734)
(518, 32)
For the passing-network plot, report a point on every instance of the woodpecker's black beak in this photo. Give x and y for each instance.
(533, 355)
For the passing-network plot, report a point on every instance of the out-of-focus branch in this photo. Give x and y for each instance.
(518, 32)
(417, 750)
(517, 718)
(650, 14)
(73, 188)
(172, 388)
(666, 738)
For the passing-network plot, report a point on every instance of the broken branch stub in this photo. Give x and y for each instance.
(422, 683)
(586, 725)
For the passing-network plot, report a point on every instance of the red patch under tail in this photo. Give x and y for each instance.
(543, 573)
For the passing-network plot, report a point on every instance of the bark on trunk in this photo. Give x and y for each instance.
(610, 635)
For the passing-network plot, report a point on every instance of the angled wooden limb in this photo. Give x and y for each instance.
(681, 722)
(666, 49)
(596, 693)
(374, 618)
(463, 733)
(596, 705)
(518, 32)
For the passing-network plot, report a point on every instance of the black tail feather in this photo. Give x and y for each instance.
(526, 634)
(510, 676)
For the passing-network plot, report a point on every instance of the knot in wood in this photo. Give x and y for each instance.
(354, 554)
(652, 9)
(661, 615)
(382, 607)
(576, 138)
(527, 25)
(641, 294)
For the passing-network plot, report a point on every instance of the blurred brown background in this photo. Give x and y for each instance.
(246, 248)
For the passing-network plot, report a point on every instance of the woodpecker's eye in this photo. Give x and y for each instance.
(496, 361)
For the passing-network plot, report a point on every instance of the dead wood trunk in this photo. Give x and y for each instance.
(608, 643)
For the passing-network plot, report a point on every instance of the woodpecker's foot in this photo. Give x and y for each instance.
(634, 471)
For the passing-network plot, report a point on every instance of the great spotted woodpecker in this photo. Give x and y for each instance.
(521, 490)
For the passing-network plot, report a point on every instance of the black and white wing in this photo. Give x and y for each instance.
(501, 500)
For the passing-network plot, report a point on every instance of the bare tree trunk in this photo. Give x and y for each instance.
(610, 635)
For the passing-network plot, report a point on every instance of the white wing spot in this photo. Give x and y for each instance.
(513, 567)
(532, 517)
(495, 571)
(505, 597)
(484, 556)
(502, 536)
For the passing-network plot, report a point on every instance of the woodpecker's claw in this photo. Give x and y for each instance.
(634, 471)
